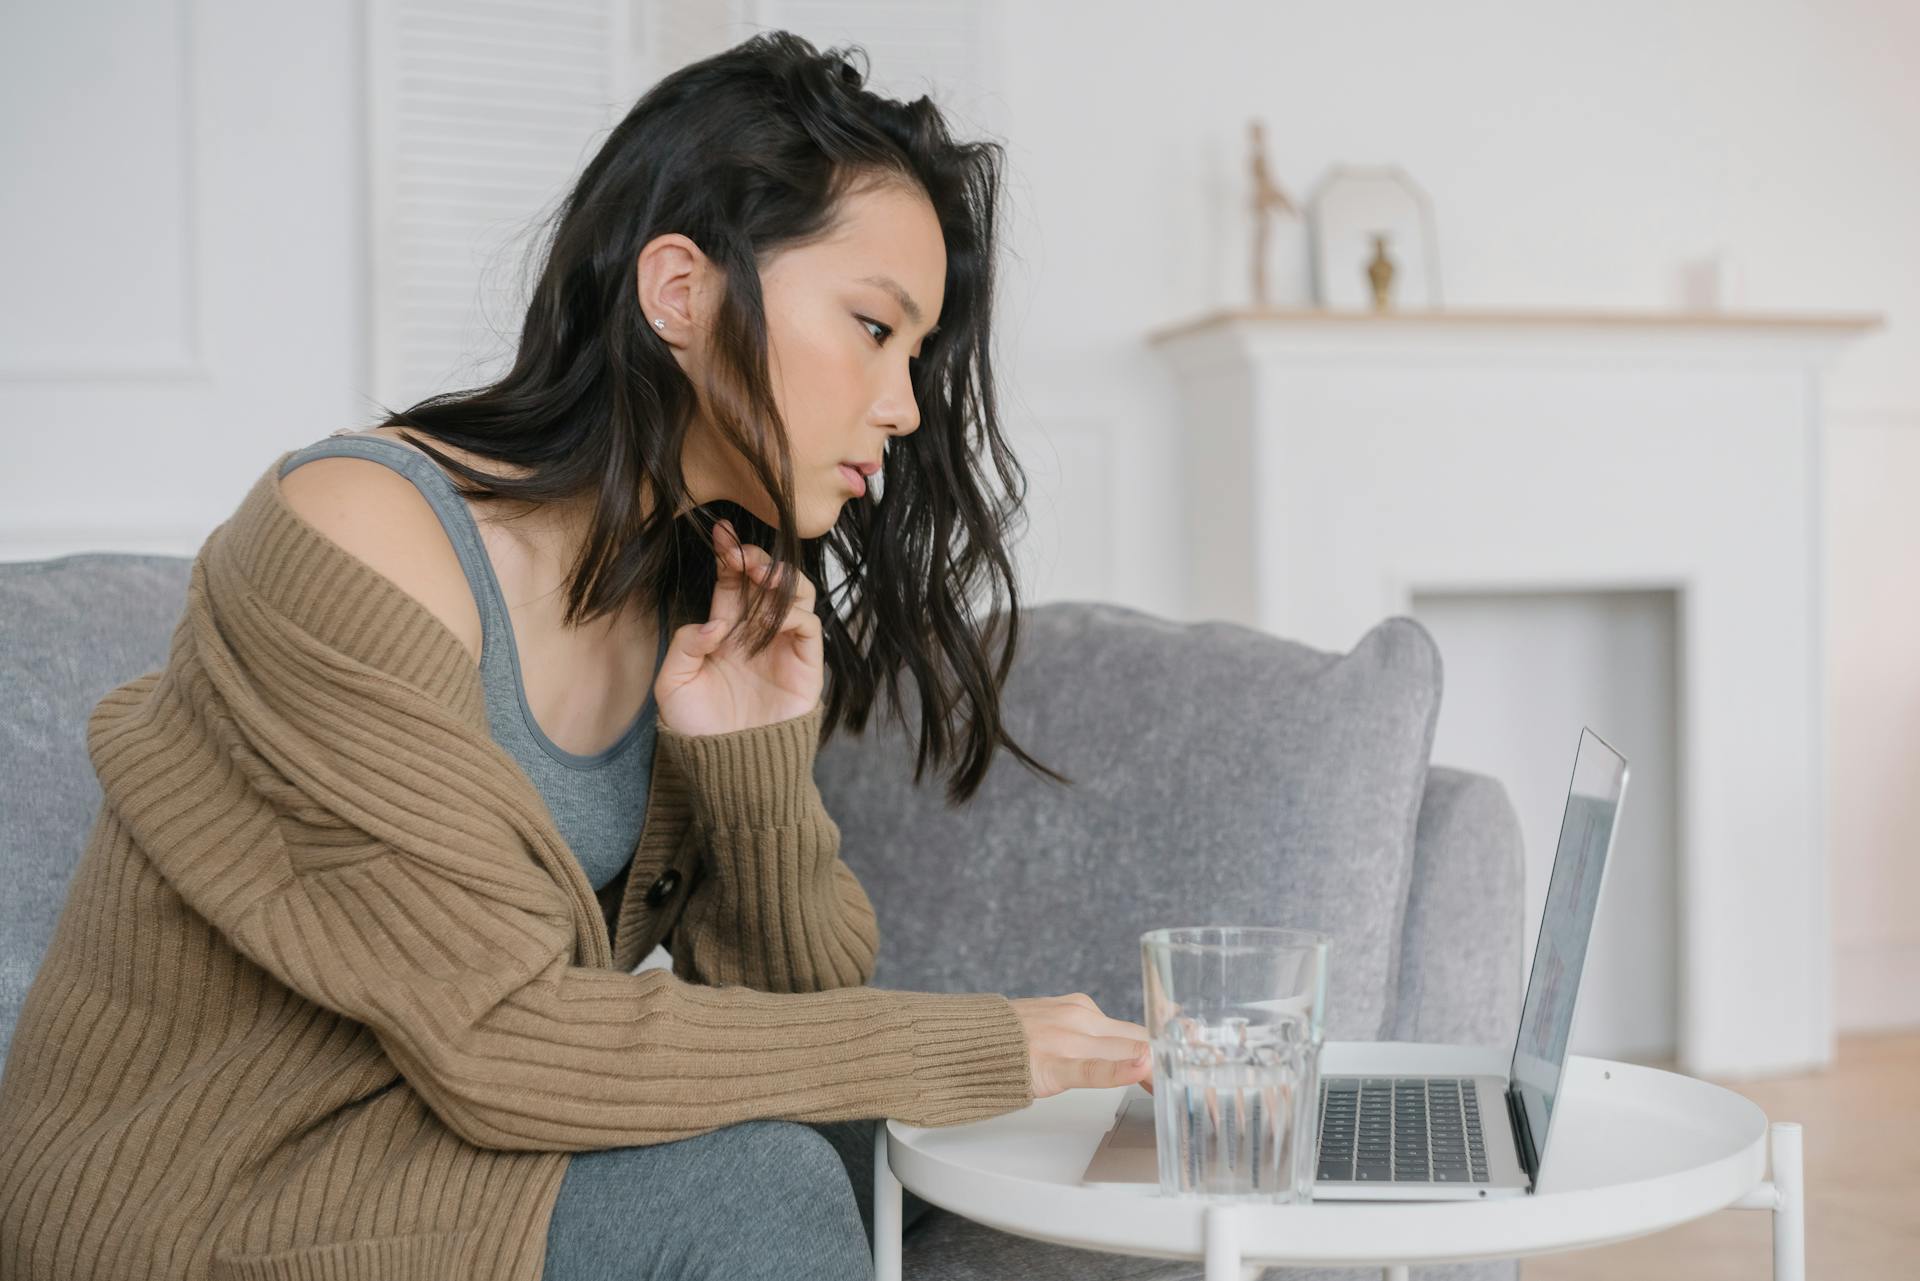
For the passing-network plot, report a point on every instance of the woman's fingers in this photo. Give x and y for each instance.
(1125, 1048)
(803, 592)
(739, 561)
(1111, 1060)
(734, 562)
(1081, 1007)
(1115, 1038)
(729, 592)
(1118, 1027)
(735, 556)
(1104, 1026)
(727, 544)
(1129, 1048)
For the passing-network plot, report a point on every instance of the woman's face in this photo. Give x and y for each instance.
(839, 341)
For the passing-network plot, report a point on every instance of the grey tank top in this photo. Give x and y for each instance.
(598, 802)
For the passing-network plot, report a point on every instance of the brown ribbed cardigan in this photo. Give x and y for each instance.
(331, 998)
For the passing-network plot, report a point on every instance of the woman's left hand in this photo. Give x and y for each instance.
(707, 684)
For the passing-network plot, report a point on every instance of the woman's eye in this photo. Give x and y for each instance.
(885, 332)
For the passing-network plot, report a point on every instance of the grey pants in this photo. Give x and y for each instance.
(759, 1199)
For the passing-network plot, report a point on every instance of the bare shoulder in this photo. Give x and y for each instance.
(379, 516)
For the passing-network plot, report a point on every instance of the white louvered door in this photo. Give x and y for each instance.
(480, 115)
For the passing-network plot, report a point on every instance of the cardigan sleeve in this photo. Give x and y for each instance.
(514, 1048)
(773, 906)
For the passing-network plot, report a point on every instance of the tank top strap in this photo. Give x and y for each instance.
(438, 489)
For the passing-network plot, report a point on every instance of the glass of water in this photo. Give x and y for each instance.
(1236, 1014)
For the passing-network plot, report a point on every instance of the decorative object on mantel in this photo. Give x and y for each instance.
(1267, 198)
(1373, 241)
(1380, 273)
(1712, 282)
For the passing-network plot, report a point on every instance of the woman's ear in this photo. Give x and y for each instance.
(679, 289)
(672, 278)
(663, 277)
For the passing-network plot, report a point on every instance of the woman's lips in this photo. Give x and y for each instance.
(855, 480)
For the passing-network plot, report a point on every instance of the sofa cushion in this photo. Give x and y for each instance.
(71, 629)
(1225, 776)
(1466, 916)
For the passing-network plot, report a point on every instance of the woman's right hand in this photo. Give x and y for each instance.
(1072, 1045)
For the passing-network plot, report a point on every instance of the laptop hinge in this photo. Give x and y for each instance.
(1523, 1136)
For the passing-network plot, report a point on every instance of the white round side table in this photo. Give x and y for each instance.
(1633, 1150)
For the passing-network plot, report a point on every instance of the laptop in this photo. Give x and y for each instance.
(1414, 1136)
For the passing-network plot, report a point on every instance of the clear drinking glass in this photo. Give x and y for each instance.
(1236, 1014)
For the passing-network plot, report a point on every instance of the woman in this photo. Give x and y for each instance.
(346, 981)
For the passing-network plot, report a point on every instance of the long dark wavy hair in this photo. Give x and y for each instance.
(747, 153)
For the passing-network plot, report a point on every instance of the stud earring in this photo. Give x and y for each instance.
(659, 323)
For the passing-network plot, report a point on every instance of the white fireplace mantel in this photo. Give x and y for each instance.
(1341, 462)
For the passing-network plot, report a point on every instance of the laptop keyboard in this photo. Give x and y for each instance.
(1377, 1129)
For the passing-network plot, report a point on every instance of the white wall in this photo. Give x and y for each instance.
(185, 243)
(184, 253)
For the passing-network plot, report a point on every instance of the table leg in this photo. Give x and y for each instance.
(1223, 1261)
(1789, 1213)
(886, 1211)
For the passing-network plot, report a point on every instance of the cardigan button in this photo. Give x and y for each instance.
(658, 892)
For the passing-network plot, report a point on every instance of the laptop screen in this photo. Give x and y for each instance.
(1566, 924)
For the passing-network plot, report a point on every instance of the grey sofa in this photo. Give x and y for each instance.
(1221, 775)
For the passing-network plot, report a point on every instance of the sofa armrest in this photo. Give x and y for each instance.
(1463, 938)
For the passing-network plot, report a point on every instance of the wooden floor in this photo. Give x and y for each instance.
(1860, 1131)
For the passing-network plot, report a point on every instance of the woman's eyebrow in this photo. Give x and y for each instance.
(901, 296)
